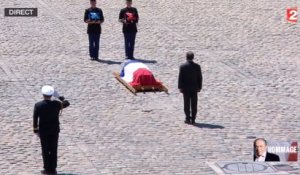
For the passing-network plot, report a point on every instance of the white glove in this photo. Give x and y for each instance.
(55, 94)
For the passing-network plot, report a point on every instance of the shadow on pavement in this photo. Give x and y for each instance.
(66, 174)
(209, 126)
(109, 62)
(146, 61)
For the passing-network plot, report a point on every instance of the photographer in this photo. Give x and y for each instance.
(46, 126)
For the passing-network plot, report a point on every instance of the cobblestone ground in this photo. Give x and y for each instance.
(250, 61)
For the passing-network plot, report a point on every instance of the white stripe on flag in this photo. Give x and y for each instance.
(129, 70)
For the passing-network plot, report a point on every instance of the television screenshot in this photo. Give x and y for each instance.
(161, 87)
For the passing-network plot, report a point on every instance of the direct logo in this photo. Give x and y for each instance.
(20, 12)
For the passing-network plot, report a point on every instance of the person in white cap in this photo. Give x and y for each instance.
(46, 125)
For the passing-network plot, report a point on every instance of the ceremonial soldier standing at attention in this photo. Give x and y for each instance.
(46, 125)
(189, 84)
(93, 16)
(129, 17)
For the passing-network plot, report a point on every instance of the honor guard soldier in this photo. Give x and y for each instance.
(129, 17)
(46, 126)
(93, 16)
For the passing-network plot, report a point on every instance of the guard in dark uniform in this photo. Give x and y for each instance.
(189, 84)
(129, 17)
(93, 16)
(46, 125)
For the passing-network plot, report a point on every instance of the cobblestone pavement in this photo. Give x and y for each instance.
(251, 66)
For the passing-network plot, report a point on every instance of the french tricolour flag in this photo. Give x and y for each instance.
(137, 74)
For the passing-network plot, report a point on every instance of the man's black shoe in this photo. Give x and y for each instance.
(193, 122)
(53, 172)
(44, 172)
(187, 122)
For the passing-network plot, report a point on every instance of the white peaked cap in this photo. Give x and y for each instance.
(47, 90)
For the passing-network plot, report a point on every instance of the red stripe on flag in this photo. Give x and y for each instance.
(293, 156)
(143, 77)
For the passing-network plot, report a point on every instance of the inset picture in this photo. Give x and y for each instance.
(283, 151)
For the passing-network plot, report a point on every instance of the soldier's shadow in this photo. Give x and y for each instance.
(209, 126)
(146, 61)
(109, 62)
(66, 174)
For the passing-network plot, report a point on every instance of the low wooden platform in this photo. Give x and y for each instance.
(135, 90)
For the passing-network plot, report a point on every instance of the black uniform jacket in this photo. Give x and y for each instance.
(46, 115)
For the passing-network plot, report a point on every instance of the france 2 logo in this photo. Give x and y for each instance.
(292, 14)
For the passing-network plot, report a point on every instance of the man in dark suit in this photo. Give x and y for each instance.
(189, 84)
(261, 154)
(46, 126)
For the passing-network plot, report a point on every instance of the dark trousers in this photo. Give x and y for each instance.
(49, 144)
(94, 42)
(190, 105)
(129, 44)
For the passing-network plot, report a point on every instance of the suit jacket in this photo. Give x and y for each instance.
(190, 77)
(46, 115)
(270, 157)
